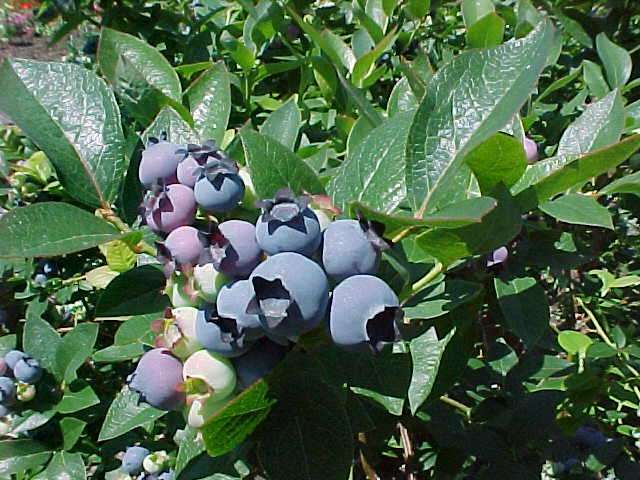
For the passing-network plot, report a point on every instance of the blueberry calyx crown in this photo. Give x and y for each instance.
(284, 209)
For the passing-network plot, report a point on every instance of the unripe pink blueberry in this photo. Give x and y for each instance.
(172, 208)
(186, 245)
(158, 379)
(531, 150)
(159, 163)
(189, 171)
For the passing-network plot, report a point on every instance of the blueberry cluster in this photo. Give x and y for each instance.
(142, 464)
(19, 374)
(242, 291)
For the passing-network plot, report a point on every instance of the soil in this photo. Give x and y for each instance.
(36, 49)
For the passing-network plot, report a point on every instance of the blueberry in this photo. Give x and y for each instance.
(208, 281)
(12, 357)
(232, 303)
(287, 224)
(186, 245)
(171, 207)
(219, 334)
(159, 162)
(47, 267)
(28, 370)
(179, 332)
(158, 379)
(497, 257)
(234, 250)
(219, 187)
(363, 314)
(40, 279)
(350, 247)
(132, 460)
(531, 150)
(7, 391)
(258, 362)
(214, 370)
(4, 411)
(188, 171)
(590, 437)
(170, 475)
(202, 410)
(3, 367)
(290, 294)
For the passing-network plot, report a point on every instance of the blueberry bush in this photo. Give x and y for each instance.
(373, 239)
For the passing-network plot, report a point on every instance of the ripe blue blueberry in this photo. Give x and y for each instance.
(497, 257)
(287, 224)
(169, 208)
(188, 171)
(47, 267)
(159, 162)
(221, 335)
(7, 391)
(258, 362)
(590, 437)
(158, 379)
(219, 188)
(132, 460)
(12, 357)
(28, 370)
(232, 303)
(40, 279)
(290, 294)
(350, 247)
(234, 250)
(170, 475)
(363, 314)
(186, 245)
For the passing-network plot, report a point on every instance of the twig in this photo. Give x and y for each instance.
(457, 405)
(595, 322)
(369, 472)
(407, 451)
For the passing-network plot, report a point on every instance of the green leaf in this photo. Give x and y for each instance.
(62, 466)
(402, 98)
(77, 396)
(137, 330)
(135, 292)
(237, 419)
(209, 100)
(72, 429)
(574, 342)
(578, 209)
(418, 8)
(51, 228)
(366, 63)
(284, 124)
(500, 159)
(627, 184)
(273, 167)
(39, 339)
(594, 79)
(20, 455)
(486, 32)
(440, 299)
(561, 173)
(191, 446)
(307, 435)
(169, 123)
(616, 61)
(468, 100)
(125, 414)
(600, 125)
(336, 49)
(119, 255)
(524, 306)
(460, 214)
(75, 347)
(497, 228)
(29, 420)
(73, 117)
(119, 353)
(573, 28)
(373, 173)
(426, 353)
(474, 10)
(121, 54)
(8, 342)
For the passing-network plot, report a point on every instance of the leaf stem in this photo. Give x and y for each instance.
(457, 405)
(424, 281)
(595, 322)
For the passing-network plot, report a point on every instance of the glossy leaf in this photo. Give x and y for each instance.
(121, 54)
(75, 347)
(600, 125)
(578, 209)
(169, 123)
(273, 167)
(209, 100)
(574, 342)
(524, 306)
(40, 340)
(474, 10)
(373, 173)
(77, 396)
(237, 419)
(616, 61)
(426, 353)
(366, 63)
(402, 98)
(627, 184)
(594, 78)
(190, 447)
(64, 465)
(73, 117)
(20, 455)
(467, 101)
(72, 429)
(440, 299)
(125, 414)
(284, 124)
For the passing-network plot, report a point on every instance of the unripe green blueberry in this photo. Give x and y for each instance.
(215, 371)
